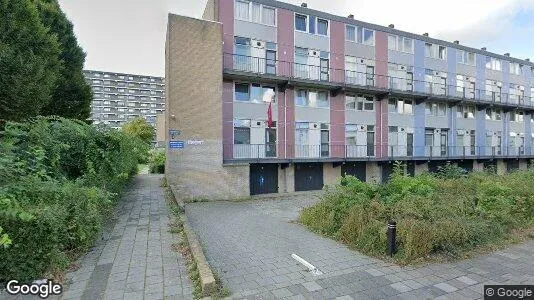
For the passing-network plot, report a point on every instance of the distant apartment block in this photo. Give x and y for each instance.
(119, 98)
(270, 97)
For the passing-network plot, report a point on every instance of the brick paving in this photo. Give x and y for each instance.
(250, 245)
(134, 259)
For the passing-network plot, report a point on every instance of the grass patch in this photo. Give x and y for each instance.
(445, 216)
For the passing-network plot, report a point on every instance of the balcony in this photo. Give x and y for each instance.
(280, 153)
(241, 67)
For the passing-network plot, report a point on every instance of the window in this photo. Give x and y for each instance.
(302, 98)
(359, 35)
(368, 37)
(515, 68)
(435, 109)
(322, 27)
(255, 93)
(465, 57)
(435, 51)
(359, 102)
(301, 23)
(254, 12)
(350, 33)
(494, 114)
(400, 43)
(269, 16)
(312, 98)
(392, 42)
(242, 132)
(401, 106)
(322, 99)
(242, 92)
(493, 64)
(466, 112)
(517, 116)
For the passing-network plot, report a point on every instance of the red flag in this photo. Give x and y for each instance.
(270, 115)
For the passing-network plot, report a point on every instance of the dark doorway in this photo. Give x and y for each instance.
(387, 171)
(435, 165)
(356, 169)
(512, 165)
(490, 166)
(308, 176)
(263, 179)
(410, 168)
(467, 165)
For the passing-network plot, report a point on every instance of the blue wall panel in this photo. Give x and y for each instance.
(480, 131)
(451, 76)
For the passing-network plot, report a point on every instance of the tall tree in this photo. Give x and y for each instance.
(29, 64)
(140, 128)
(72, 96)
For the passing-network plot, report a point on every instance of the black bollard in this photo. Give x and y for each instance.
(392, 237)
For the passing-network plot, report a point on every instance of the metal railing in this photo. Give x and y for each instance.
(323, 151)
(258, 65)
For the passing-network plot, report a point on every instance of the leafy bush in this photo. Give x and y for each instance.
(59, 179)
(156, 162)
(448, 213)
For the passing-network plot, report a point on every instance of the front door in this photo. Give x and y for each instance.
(263, 179)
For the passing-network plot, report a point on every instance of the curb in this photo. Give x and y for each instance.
(207, 279)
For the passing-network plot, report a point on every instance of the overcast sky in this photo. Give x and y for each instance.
(129, 35)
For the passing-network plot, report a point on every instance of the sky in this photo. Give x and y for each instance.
(128, 36)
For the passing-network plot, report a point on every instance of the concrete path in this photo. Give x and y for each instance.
(250, 245)
(134, 259)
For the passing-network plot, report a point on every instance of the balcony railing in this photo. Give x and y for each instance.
(369, 152)
(257, 65)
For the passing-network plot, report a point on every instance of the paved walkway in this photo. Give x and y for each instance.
(250, 246)
(134, 259)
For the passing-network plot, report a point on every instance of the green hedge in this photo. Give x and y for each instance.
(447, 214)
(156, 162)
(59, 179)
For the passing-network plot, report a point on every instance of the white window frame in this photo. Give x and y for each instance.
(465, 55)
(400, 43)
(434, 51)
(307, 23)
(360, 98)
(361, 31)
(309, 104)
(327, 27)
(250, 14)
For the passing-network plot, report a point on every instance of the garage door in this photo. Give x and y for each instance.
(308, 176)
(354, 169)
(467, 165)
(263, 179)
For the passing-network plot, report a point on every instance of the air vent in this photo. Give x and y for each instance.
(457, 42)
(507, 54)
(391, 25)
(351, 16)
(425, 34)
(258, 123)
(258, 43)
(314, 125)
(527, 59)
(483, 48)
(304, 4)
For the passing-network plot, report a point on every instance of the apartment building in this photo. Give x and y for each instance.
(271, 98)
(120, 98)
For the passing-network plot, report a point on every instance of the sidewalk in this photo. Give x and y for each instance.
(134, 259)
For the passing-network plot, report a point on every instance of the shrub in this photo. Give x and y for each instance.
(59, 179)
(156, 162)
(448, 213)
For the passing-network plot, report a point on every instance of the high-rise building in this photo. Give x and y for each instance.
(345, 96)
(119, 98)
